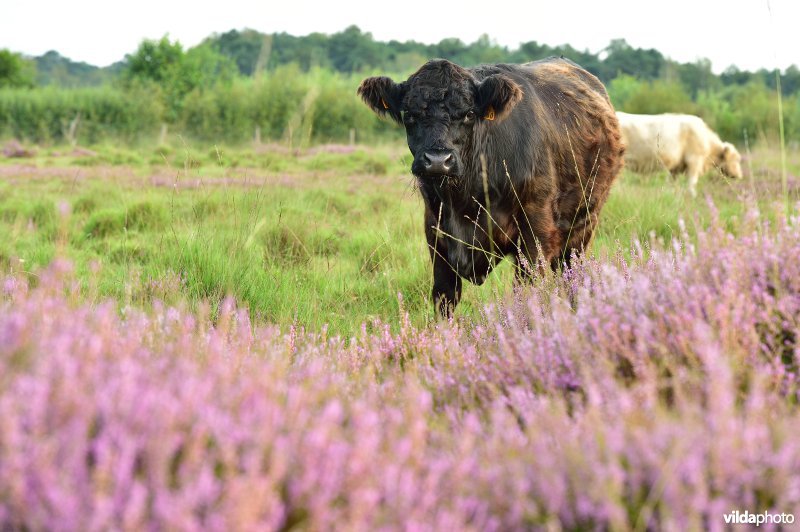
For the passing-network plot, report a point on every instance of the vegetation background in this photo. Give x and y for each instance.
(240, 84)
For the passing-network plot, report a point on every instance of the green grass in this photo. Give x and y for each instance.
(329, 235)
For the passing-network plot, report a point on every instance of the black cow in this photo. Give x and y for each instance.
(510, 160)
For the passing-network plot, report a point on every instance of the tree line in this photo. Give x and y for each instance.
(207, 90)
(352, 50)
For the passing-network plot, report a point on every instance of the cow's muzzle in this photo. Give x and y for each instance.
(439, 162)
(432, 164)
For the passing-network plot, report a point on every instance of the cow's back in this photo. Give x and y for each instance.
(562, 105)
(587, 135)
(563, 131)
(653, 141)
(560, 70)
(578, 147)
(665, 141)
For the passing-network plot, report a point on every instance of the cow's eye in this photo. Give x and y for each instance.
(469, 117)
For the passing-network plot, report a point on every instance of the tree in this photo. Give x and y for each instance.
(15, 71)
(175, 72)
(790, 81)
(733, 76)
(658, 96)
(243, 47)
(352, 50)
(622, 58)
(308, 52)
(54, 69)
(155, 61)
(697, 76)
(449, 48)
(622, 88)
(530, 51)
(484, 50)
(202, 66)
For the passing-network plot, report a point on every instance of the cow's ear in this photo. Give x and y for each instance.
(496, 96)
(726, 151)
(727, 148)
(384, 96)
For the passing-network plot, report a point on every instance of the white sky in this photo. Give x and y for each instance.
(742, 32)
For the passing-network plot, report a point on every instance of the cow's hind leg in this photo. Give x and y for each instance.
(577, 231)
(577, 244)
(539, 242)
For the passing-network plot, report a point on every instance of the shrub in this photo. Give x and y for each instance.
(86, 115)
(655, 393)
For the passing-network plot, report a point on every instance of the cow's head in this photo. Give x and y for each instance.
(730, 161)
(440, 106)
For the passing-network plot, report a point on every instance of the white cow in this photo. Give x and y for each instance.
(678, 143)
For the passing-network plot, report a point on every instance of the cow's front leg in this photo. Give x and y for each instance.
(446, 288)
(446, 282)
(694, 168)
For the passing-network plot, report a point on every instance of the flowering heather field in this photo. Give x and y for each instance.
(653, 393)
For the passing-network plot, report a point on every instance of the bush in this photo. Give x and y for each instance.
(285, 104)
(321, 106)
(752, 107)
(84, 115)
(15, 71)
(658, 96)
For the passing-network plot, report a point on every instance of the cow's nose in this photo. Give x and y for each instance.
(438, 162)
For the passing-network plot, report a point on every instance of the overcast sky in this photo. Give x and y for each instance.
(748, 33)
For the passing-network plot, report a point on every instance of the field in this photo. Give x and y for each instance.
(322, 236)
(199, 336)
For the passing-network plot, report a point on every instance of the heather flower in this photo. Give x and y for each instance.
(655, 392)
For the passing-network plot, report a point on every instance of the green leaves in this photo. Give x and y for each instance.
(176, 73)
(16, 71)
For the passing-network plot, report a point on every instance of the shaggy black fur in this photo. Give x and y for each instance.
(531, 152)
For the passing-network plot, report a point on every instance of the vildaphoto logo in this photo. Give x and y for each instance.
(748, 518)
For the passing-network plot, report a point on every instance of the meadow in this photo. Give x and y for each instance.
(323, 236)
(195, 336)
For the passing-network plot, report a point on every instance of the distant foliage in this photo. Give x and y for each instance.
(284, 104)
(321, 106)
(353, 50)
(87, 115)
(752, 108)
(622, 58)
(15, 71)
(175, 73)
(300, 89)
(650, 97)
(54, 69)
